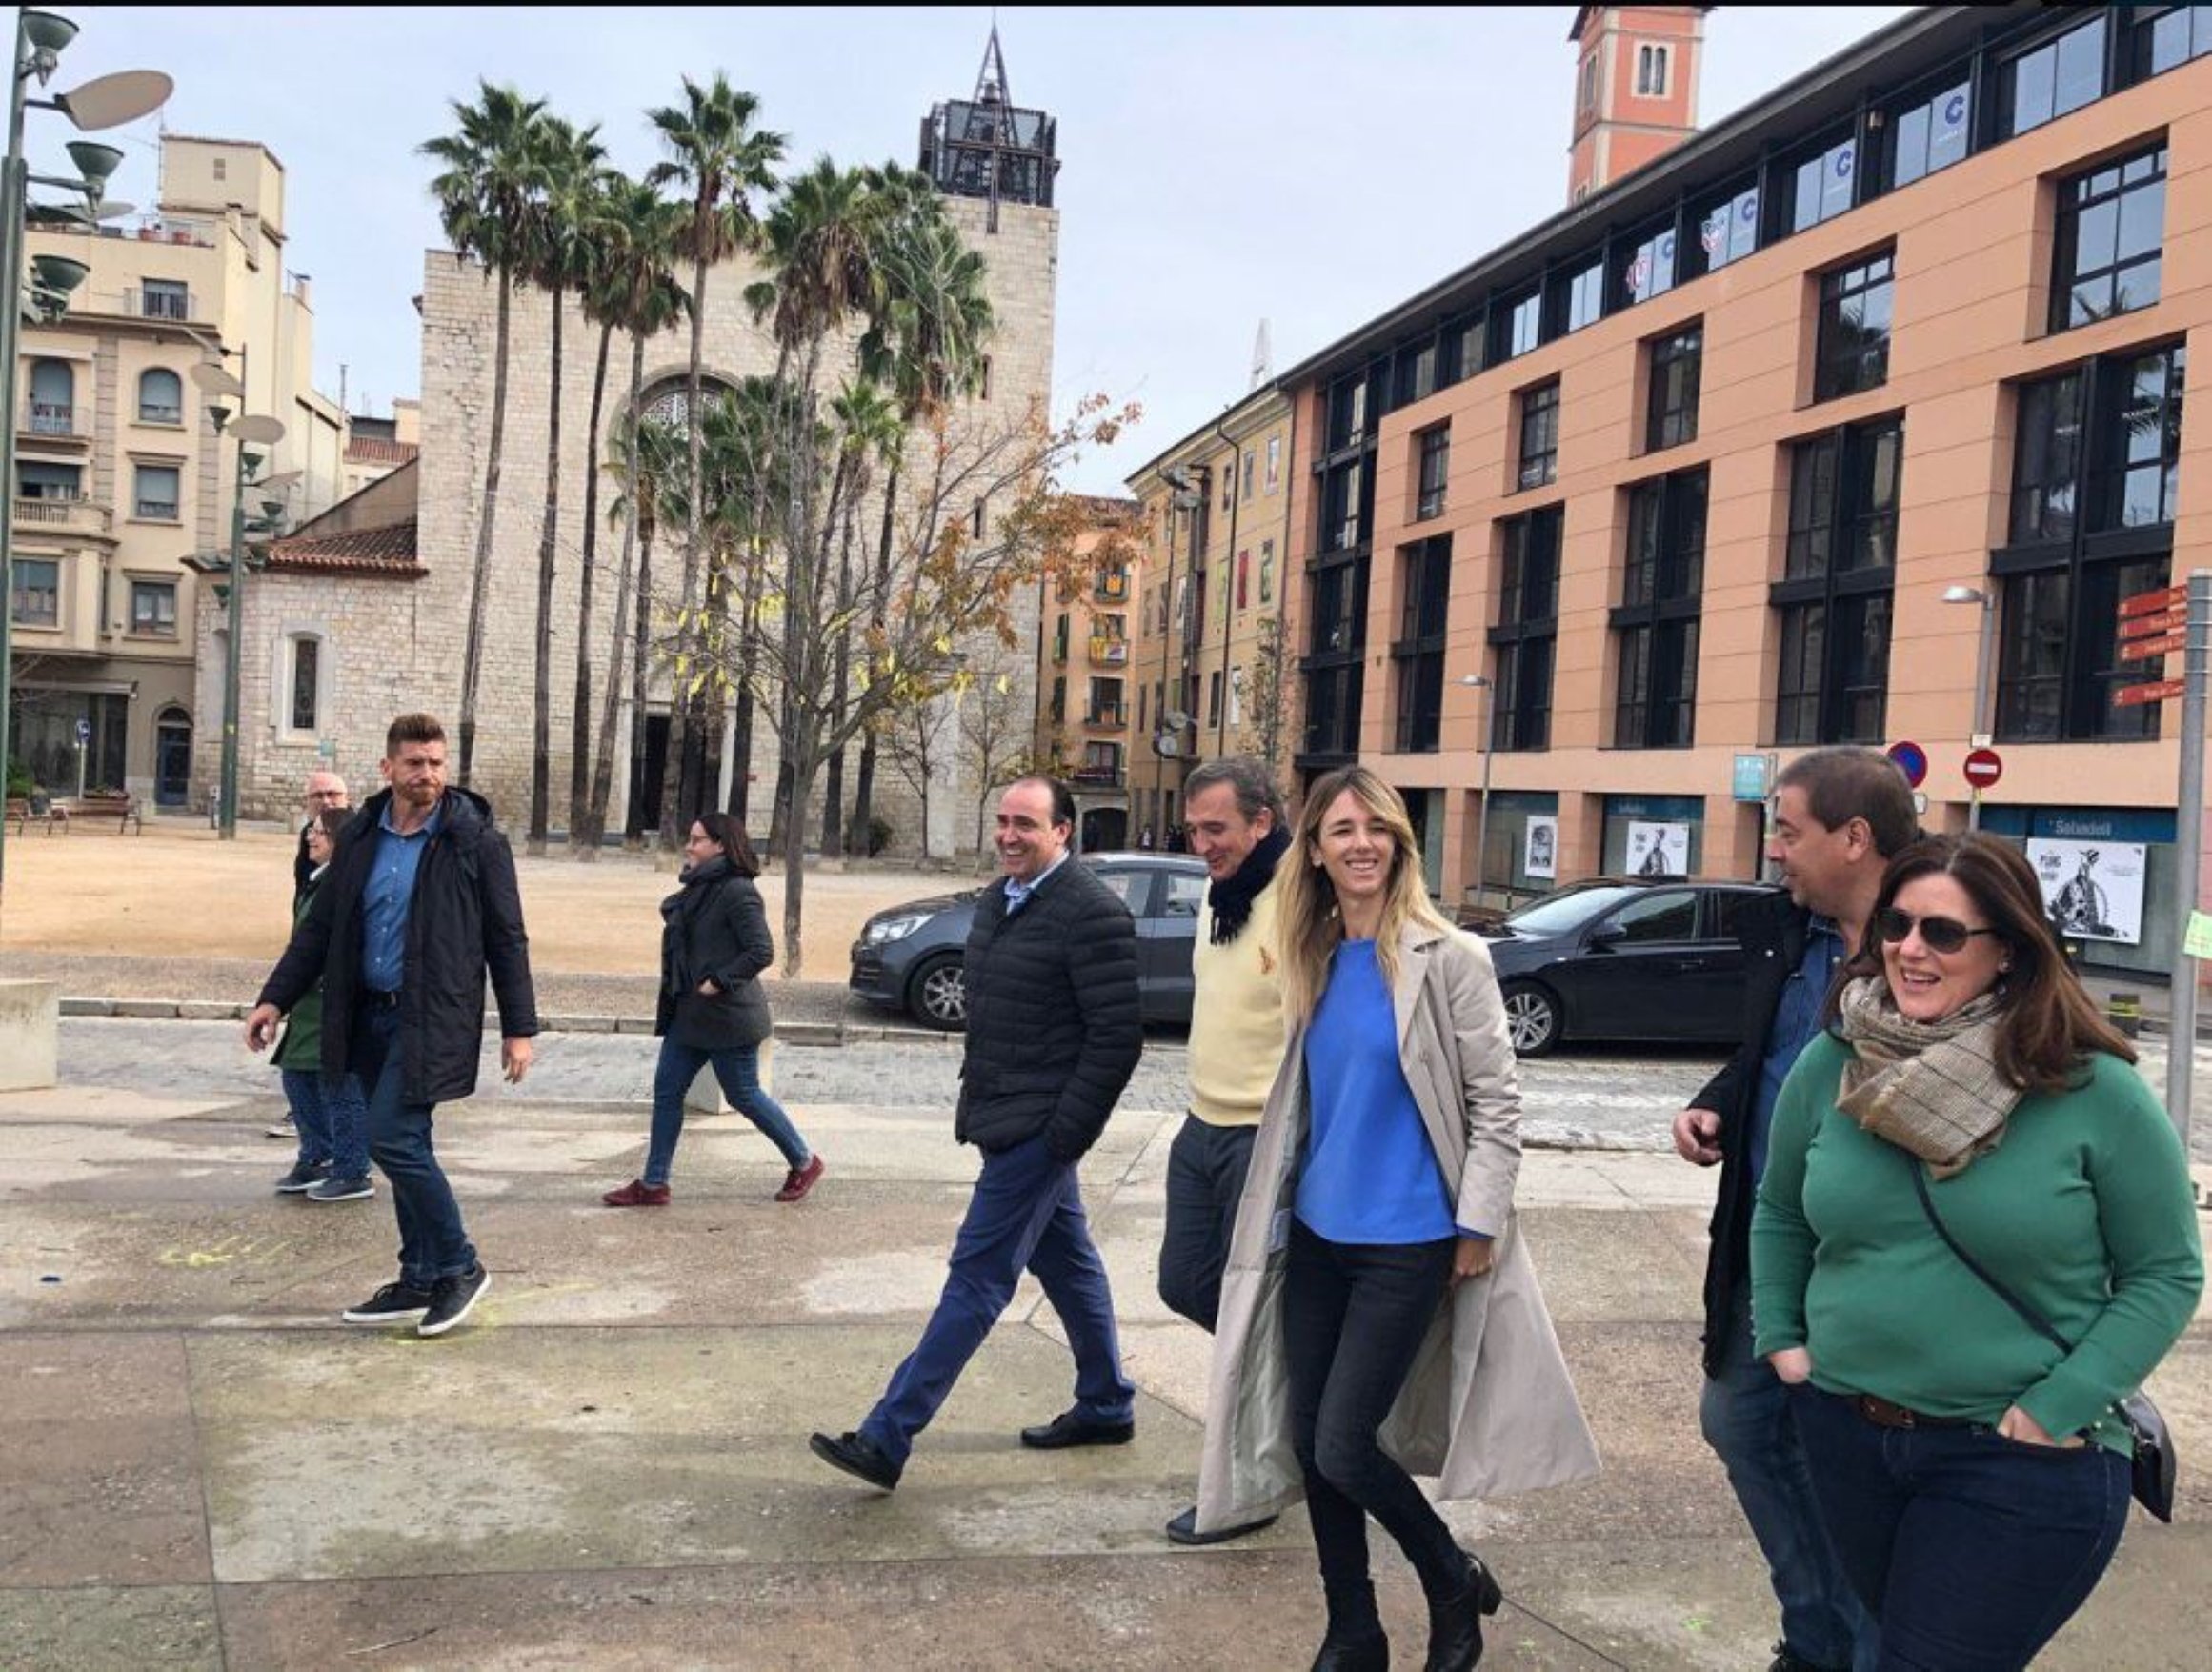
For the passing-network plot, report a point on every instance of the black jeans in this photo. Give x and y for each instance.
(1354, 1315)
(1970, 1550)
(1205, 1181)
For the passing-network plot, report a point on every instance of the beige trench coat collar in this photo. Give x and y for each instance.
(1488, 1408)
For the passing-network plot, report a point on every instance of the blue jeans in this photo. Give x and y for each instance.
(1026, 1214)
(1970, 1548)
(330, 1122)
(432, 1241)
(1353, 1316)
(737, 1067)
(1747, 1417)
(1205, 1181)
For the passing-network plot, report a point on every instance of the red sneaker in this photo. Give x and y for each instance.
(637, 1194)
(799, 1180)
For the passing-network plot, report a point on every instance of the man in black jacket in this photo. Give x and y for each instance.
(419, 902)
(1840, 816)
(1055, 1030)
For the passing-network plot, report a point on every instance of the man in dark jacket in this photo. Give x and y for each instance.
(1840, 816)
(419, 902)
(1054, 1033)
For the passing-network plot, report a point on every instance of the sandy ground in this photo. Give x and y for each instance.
(177, 891)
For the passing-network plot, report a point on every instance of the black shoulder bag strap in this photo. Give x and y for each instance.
(2154, 1461)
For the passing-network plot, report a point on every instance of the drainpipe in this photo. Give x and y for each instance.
(1229, 583)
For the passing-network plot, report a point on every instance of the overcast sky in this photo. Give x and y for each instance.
(1220, 166)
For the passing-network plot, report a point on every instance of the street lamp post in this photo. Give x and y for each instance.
(1481, 682)
(1981, 726)
(105, 101)
(250, 430)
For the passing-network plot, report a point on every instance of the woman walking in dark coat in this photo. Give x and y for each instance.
(712, 948)
(329, 1114)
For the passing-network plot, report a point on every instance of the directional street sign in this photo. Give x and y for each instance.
(2158, 690)
(2165, 597)
(2143, 649)
(1983, 767)
(2158, 622)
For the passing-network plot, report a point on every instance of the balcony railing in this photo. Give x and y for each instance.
(1113, 718)
(1110, 651)
(154, 412)
(66, 515)
(1112, 588)
(1097, 777)
(46, 417)
(156, 510)
(146, 304)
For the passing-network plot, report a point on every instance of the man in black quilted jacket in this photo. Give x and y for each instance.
(1054, 1033)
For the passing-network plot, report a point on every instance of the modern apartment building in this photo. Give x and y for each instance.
(1855, 417)
(1084, 705)
(122, 475)
(1213, 668)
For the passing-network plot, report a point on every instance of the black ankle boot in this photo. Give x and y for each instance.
(1456, 1620)
(1342, 1651)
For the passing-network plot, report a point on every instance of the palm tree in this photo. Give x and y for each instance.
(869, 433)
(567, 227)
(925, 344)
(718, 156)
(633, 290)
(491, 167)
(652, 455)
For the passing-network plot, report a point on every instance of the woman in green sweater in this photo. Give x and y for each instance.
(1973, 1473)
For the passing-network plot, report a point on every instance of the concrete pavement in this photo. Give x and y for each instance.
(607, 1468)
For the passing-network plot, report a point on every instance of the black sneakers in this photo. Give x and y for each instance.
(303, 1176)
(453, 1298)
(393, 1304)
(335, 1189)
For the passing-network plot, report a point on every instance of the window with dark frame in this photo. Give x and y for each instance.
(1833, 603)
(1823, 184)
(1852, 354)
(1646, 266)
(2164, 37)
(1540, 436)
(2108, 250)
(2096, 480)
(154, 606)
(1580, 298)
(1929, 134)
(1525, 640)
(1425, 585)
(154, 494)
(1656, 624)
(1727, 229)
(306, 665)
(1435, 450)
(2059, 75)
(1677, 370)
(1521, 326)
(1336, 647)
(34, 592)
(1651, 72)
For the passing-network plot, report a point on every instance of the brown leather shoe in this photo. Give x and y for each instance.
(637, 1194)
(799, 1180)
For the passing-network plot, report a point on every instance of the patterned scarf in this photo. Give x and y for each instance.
(1931, 1088)
(1231, 899)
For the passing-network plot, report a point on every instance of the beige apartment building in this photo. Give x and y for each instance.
(1215, 668)
(1085, 708)
(122, 475)
(1853, 418)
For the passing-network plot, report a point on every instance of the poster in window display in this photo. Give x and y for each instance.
(1539, 848)
(2092, 890)
(1658, 850)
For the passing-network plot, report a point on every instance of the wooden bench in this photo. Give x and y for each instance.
(21, 818)
(122, 809)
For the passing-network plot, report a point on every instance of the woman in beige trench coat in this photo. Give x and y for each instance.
(1434, 1357)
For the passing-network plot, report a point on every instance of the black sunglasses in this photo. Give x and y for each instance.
(1940, 933)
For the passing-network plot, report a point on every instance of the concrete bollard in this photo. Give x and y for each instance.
(29, 1035)
(2124, 1011)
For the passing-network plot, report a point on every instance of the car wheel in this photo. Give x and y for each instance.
(1532, 1017)
(938, 994)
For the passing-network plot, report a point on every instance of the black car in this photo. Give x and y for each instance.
(1623, 957)
(910, 957)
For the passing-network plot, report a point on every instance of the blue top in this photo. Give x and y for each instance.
(1017, 891)
(1796, 1018)
(385, 898)
(1370, 1174)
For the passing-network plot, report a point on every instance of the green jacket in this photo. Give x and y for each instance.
(302, 1046)
(2083, 1211)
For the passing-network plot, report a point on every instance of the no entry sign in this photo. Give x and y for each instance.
(1983, 767)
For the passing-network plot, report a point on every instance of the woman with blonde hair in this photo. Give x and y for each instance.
(1379, 1316)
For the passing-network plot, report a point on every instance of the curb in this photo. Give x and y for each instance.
(789, 1033)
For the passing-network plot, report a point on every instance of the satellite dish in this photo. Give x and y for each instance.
(211, 379)
(1175, 719)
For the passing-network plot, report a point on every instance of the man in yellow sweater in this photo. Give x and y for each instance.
(1234, 817)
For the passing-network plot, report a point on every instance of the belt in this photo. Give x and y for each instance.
(376, 998)
(1884, 1415)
